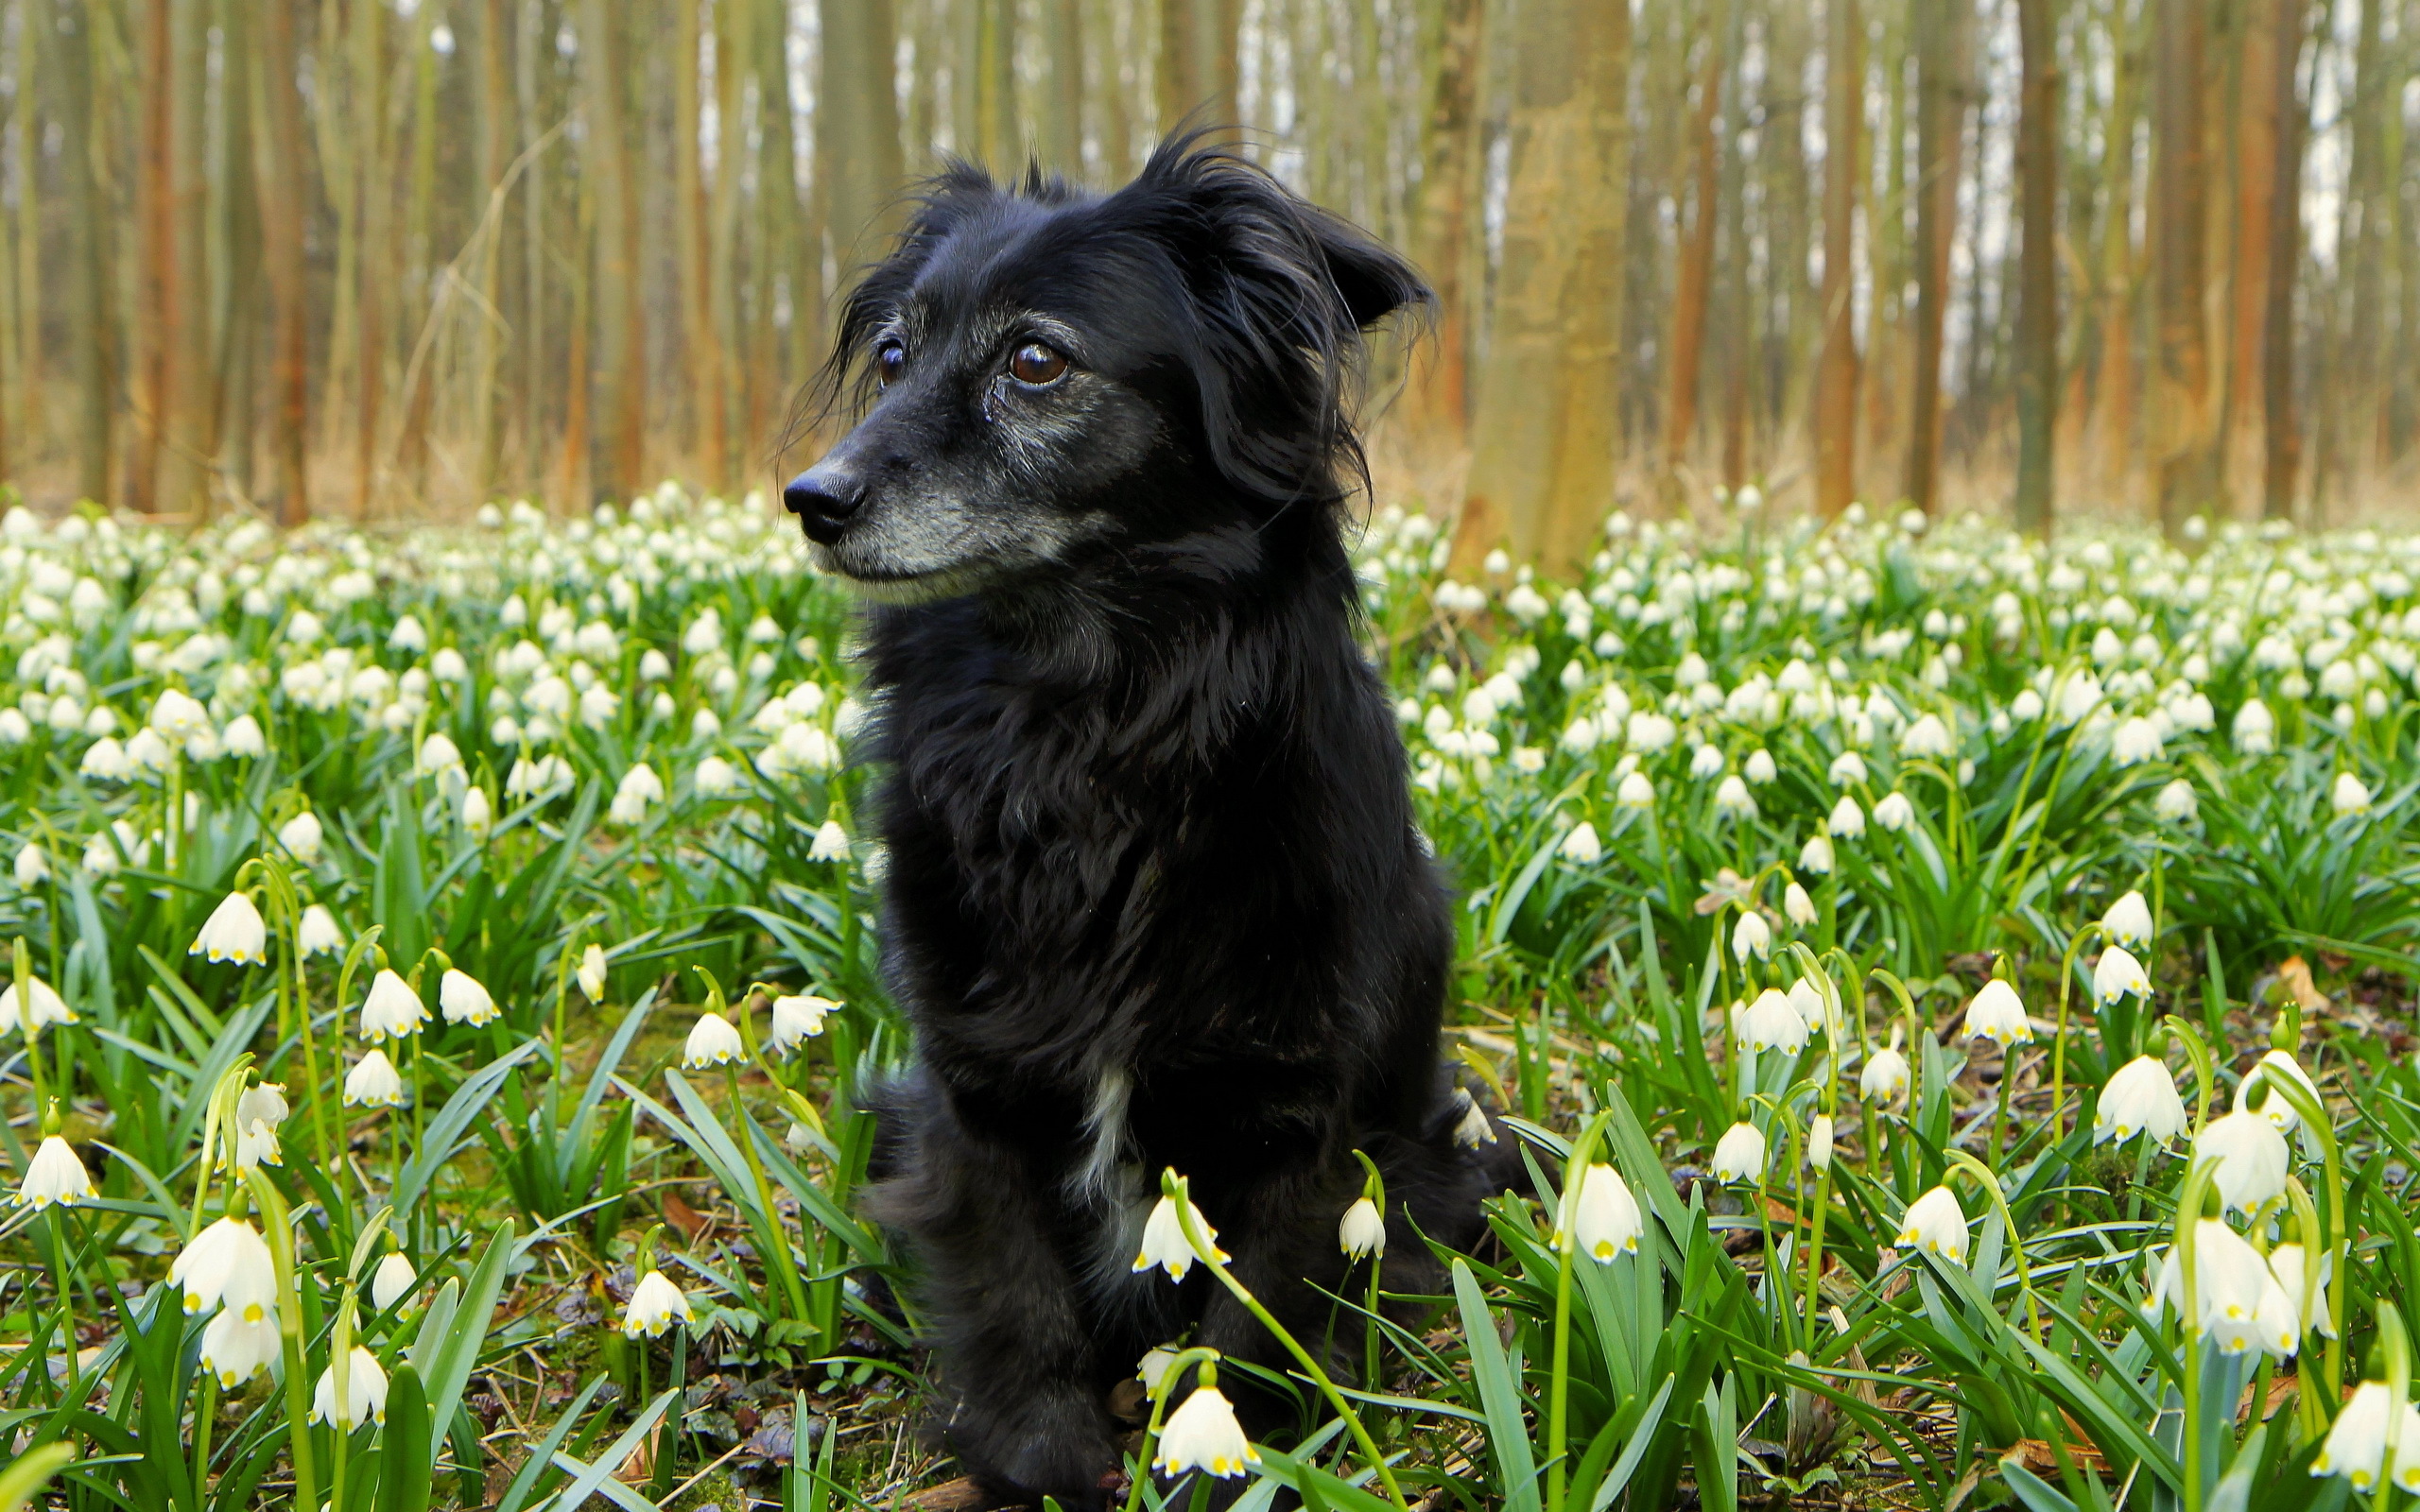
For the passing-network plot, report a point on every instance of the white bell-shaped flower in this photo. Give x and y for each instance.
(2276, 1066)
(797, 1017)
(37, 1010)
(229, 1263)
(318, 934)
(1771, 1022)
(54, 1176)
(1936, 1225)
(712, 1042)
(1885, 1074)
(591, 974)
(1582, 845)
(235, 1348)
(2141, 1098)
(1606, 1219)
(365, 1392)
(654, 1304)
(463, 999)
(1165, 1245)
(392, 1010)
(2117, 973)
(2250, 1158)
(2356, 1443)
(1204, 1434)
(1361, 1231)
(303, 836)
(373, 1083)
(1740, 1155)
(234, 932)
(1998, 1014)
(1751, 936)
(2129, 923)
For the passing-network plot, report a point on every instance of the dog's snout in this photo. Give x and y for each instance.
(823, 498)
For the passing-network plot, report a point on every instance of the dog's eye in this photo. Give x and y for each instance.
(1037, 365)
(890, 361)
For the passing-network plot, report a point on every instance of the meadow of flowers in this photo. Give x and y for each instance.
(1954, 992)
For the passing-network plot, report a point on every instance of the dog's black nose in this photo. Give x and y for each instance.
(823, 499)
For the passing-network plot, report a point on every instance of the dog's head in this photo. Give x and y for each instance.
(1049, 377)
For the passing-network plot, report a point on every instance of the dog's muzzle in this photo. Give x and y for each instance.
(824, 498)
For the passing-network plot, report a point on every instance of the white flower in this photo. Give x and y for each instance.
(1771, 1022)
(392, 1010)
(373, 1083)
(712, 1042)
(1582, 845)
(301, 835)
(2249, 1158)
(178, 716)
(797, 1017)
(1937, 1225)
(107, 759)
(438, 754)
(1605, 1218)
(1894, 810)
(1706, 761)
(264, 1104)
(2129, 923)
(230, 1262)
(41, 1007)
(234, 932)
(592, 975)
(1885, 1075)
(317, 934)
(1635, 792)
(1759, 767)
(1472, 1130)
(2254, 728)
(463, 999)
(1153, 1369)
(2136, 740)
(2140, 1099)
(2356, 1446)
(1732, 797)
(1819, 1142)
(654, 1303)
(831, 842)
(2117, 973)
(2176, 803)
(1929, 736)
(1202, 1434)
(1847, 821)
(1740, 1155)
(409, 635)
(365, 1392)
(1998, 1014)
(2289, 1265)
(1814, 1011)
(1797, 906)
(2349, 796)
(1165, 1245)
(243, 737)
(1815, 858)
(235, 1349)
(2229, 1283)
(479, 814)
(1361, 1231)
(391, 1281)
(1847, 769)
(2275, 1066)
(33, 868)
(53, 1174)
(255, 1143)
(715, 778)
(1752, 936)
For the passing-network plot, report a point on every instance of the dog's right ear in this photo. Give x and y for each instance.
(938, 207)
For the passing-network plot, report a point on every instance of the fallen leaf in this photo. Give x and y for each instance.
(2295, 974)
(2036, 1454)
(960, 1495)
(682, 1217)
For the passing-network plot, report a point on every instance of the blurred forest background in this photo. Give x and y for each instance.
(381, 258)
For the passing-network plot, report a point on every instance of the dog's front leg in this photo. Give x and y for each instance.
(1281, 1234)
(1017, 1350)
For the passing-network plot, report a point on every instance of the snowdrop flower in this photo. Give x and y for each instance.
(1582, 845)
(1807, 1000)
(2117, 973)
(1361, 1231)
(2176, 803)
(1635, 792)
(2129, 923)
(592, 975)
(1606, 1219)
(1819, 1142)
(234, 932)
(256, 1143)
(178, 716)
(1759, 767)
(479, 814)
(373, 1083)
(1705, 762)
(1474, 1129)
(2140, 1099)
(1153, 1369)
(107, 759)
(656, 1302)
(2275, 1066)
(716, 778)
(2230, 1280)
(2254, 728)
(409, 635)
(1815, 858)
(1771, 1022)
(1752, 936)
(1202, 1434)
(1847, 769)
(54, 1176)
(1165, 1245)
(797, 1017)
(1797, 906)
(2356, 1445)
(41, 1007)
(1998, 1014)
(365, 1392)
(264, 1104)
(1927, 737)
(1733, 799)
(1936, 1225)
(301, 835)
(1895, 811)
(235, 1351)
(391, 1281)
(1847, 821)
(243, 737)
(2349, 797)
(2288, 1263)
(392, 1010)
(712, 1042)
(438, 755)
(1885, 1075)
(462, 999)
(2248, 1157)
(318, 934)
(1740, 1155)
(831, 842)
(2137, 740)
(33, 868)
(229, 1263)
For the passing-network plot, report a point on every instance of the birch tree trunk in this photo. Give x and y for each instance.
(1836, 371)
(2037, 330)
(2183, 451)
(1938, 35)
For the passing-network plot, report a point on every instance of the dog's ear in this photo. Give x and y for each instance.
(1372, 281)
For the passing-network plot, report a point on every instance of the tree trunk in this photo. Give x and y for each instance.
(2183, 454)
(1836, 372)
(1438, 407)
(35, 25)
(621, 350)
(91, 345)
(1696, 274)
(496, 122)
(1062, 105)
(1196, 70)
(2037, 327)
(375, 260)
(1542, 469)
(280, 180)
(159, 325)
(2280, 430)
(2256, 180)
(857, 137)
(1938, 34)
(691, 228)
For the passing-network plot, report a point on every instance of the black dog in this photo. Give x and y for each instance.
(1155, 895)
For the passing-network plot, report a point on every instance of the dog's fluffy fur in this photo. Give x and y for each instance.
(1155, 895)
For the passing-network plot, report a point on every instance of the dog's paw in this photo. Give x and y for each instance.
(1054, 1445)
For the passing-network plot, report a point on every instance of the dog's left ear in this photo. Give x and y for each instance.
(1372, 281)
